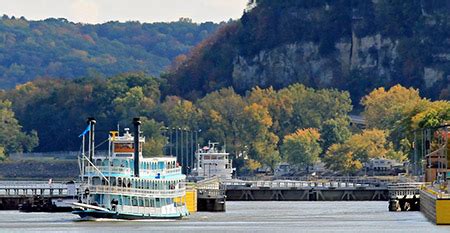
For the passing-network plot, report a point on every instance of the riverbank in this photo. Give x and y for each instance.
(39, 169)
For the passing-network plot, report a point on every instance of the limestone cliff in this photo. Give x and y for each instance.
(350, 45)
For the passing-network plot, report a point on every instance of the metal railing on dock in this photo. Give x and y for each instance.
(33, 188)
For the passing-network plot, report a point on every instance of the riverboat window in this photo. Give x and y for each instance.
(98, 162)
(206, 157)
(141, 202)
(122, 155)
(160, 165)
(147, 203)
(126, 200)
(96, 181)
(157, 202)
(152, 202)
(134, 201)
(116, 162)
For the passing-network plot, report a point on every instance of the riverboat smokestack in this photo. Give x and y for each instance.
(137, 129)
(91, 121)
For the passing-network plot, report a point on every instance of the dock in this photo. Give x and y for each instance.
(288, 190)
(16, 193)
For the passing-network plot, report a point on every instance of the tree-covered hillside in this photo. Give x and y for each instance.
(58, 48)
(350, 45)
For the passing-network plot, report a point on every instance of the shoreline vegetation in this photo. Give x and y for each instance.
(240, 86)
(299, 125)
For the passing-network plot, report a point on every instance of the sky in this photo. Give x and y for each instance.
(100, 11)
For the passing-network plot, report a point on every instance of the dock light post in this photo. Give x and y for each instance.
(187, 153)
(176, 143)
(171, 141)
(191, 164)
(182, 150)
(164, 133)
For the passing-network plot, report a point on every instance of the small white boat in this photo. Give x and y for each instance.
(213, 162)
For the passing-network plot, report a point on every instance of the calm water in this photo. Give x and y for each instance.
(242, 217)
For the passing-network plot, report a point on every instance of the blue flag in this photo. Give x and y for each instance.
(85, 131)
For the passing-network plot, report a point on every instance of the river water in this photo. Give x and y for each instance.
(242, 217)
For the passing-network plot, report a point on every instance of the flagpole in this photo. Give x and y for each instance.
(82, 159)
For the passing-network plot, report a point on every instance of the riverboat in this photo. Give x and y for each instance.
(124, 185)
(213, 162)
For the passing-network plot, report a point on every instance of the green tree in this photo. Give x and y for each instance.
(305, 107)
(223, 118)
(334, 131)
(302, 148)
(2, 153)
(155, 142)
(180, 113)
(133, 104)
(12, 139)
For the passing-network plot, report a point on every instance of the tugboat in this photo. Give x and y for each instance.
(124, 185)
(212, 162)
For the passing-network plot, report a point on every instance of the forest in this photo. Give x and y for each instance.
(59, 48)
(56, 74)
(263, 127)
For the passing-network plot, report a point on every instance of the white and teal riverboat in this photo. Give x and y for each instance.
(123, 185)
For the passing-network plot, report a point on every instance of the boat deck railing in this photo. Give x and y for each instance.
(102, 189)
(127, 171)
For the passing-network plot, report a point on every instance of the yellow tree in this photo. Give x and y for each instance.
(359, 148)
(432, 115)
(180, 112)
(382, 109)
(302, 147)
(263, 142)
(340, 157)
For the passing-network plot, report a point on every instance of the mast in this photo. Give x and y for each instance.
(91, 122)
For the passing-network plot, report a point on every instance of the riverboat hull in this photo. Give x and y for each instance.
(101, 214)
